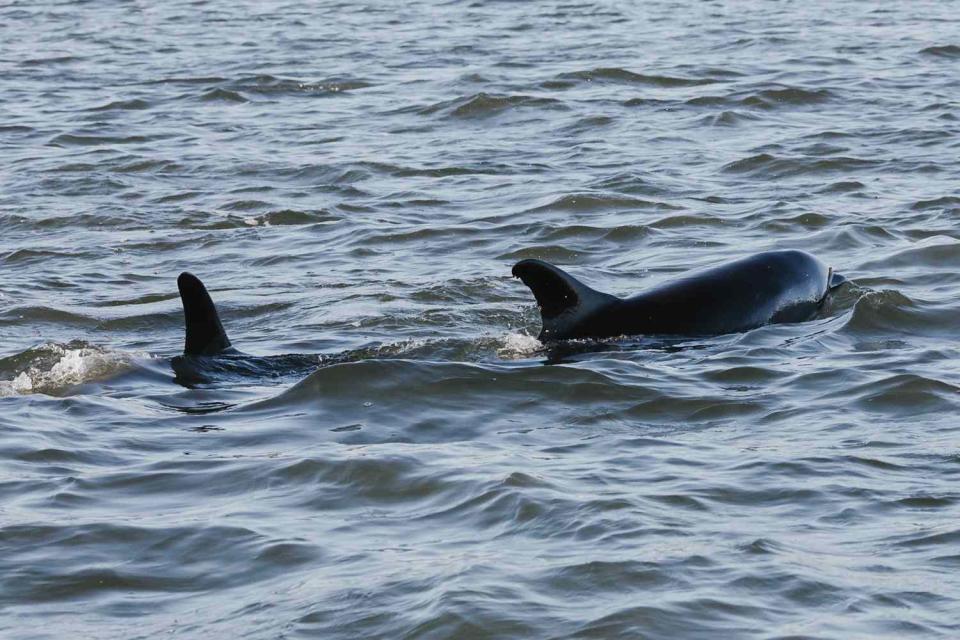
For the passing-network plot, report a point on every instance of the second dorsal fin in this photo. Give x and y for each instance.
(204, 332)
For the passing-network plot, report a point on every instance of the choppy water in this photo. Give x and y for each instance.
(353, 182)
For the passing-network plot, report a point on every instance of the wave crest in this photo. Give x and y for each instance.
(54, 368)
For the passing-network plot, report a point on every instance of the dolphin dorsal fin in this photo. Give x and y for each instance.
(204, 332)
(563, 300)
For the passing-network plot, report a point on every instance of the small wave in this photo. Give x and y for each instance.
(806, 221)
(23, 256)
(273, 85)
(728, 118)
(945, 202)
(843, 186)
(16, 128)
(147, 165)
(587, 202)
(292, 217)
(550, 253)
(938, 254)
(245, 205)
(278, 218)
(54, 368)
(364, 170)
(711, 101)
(40, 62)
(392, 380)
(906, 394)
(340, 483)
(648, 102)
(97, 221)
(767, 99)
(632, 183)
(69, 139)
(627, 233)
(20, 315)
(588, 124)
(889, 311)
(687, 220)
(617, 75)
(946, 51)
(123, 105)
(223, 95)
(83, 572)
(484, 105)
(187, 80)
(772, 98)
(765, 165)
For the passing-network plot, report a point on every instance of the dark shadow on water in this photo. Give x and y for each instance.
(569, 351)
(195, 372)
(203, 408)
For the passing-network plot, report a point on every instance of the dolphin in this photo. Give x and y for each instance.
(208, 353)
(769, 287)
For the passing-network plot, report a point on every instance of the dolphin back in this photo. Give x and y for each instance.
(564, 302)
(770, 287)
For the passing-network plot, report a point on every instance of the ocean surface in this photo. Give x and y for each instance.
(402, 458)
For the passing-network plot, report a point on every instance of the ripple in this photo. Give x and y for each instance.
(684, 221)
(773, 98)
(484, 105)
(550, 253)
(945, 202)
(728, 118)
(945, 51)
(882, 310)
(766, 99)
(349, 483)
(69, 139)
(223, 95)
(587, 202)
(766, 165)
(50, 61)
(600, 577)
(134, 104)
(617, 75)
(187, 80)
(254, 557)
(894, 394)
(844, 186)
(273, 86)
(936, 255)
(145, 165)
(949, 538)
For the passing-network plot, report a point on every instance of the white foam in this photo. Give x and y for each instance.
(410, 345)
(57, 367)
(258, 221)
(518, 345)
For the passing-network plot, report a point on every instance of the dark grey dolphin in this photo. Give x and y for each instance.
(775, 286)
(208, 354)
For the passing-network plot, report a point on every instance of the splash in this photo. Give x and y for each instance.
(54, 368)
(518, 345)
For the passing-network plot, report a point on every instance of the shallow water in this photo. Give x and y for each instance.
(354, 182)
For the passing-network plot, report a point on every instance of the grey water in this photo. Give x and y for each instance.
(354, 181)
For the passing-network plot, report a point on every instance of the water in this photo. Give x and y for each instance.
(354, 182)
